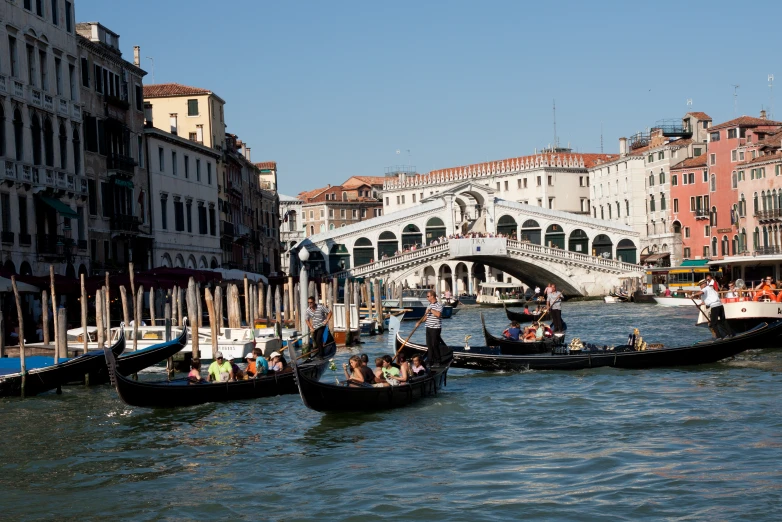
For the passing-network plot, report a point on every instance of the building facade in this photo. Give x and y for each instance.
(44, 192)
(291, 232)
(117, 179)
(338, 206)
(183, 187)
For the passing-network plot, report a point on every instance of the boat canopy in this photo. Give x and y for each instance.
(501, 285)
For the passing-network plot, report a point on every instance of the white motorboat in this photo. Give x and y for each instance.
(496, 294)
(676, 301)
(267, 341)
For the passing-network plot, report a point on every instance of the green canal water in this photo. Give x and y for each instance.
(689, 444)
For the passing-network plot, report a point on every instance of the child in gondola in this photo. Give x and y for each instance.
(418, 368)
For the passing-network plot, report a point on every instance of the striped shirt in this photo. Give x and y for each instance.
(431, 320)
(317, 316)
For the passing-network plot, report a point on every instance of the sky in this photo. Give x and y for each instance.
(333, 89)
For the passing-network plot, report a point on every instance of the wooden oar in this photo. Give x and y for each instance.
(404, 343)
(699, 309)
(546, 310)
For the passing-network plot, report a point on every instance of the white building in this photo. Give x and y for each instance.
(44, 194)
(291, 229)
(183, 186)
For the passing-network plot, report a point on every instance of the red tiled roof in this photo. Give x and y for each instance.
(162, 90)
(746, 121)
(697, 161)
(355, 181)
(773, 139)
(267, 165)
(306, 196)
(699, 115)
(763, 159)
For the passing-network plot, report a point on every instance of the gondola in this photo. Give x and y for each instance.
(511, 347)
(519, 317)
(563, 358)
(90, 366)
(336, 398)
(133, 362)
(181, 392)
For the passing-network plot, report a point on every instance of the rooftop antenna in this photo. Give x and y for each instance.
(771, 95)
(735, 99)
(689, 104)
(153, 68)
(601, 137)
(555, 123)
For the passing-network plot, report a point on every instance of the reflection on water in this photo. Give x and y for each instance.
(696, 442)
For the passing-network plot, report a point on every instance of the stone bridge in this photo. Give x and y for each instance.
(582, 255)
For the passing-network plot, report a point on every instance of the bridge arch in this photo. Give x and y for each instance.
(626, 251)
(555, 237)
(461, 278)
(602, 246)
(387, 244)
(507, 225)
(446, 278)
(411, 235)
(530, 231)
(339, 257)
(435, 228)
(578, 241)
(363, 252)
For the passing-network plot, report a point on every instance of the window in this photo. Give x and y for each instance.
(506, 185)
(539, 181)
(32, 74)
(179, 215)
(713, 184)
(551, 181)
(662, 201)
(331, 213)
(161, 159)
(706, 231)
(6, 209)
(651, 204)
(692, 203)
(187, 166)
(39, 7)
(674, 180)
(212, 221)
(651, 180)
(58, 75)
(28, 4)
(42, 62)
(686, 231)
(22, 215)
(189, 215)
(355, 213)
(733, 155)
(692, 177)
(685, 178)
(705, 251)
(550, 202)
(732, 133)
(85, 73)
(687, 252)
(202, 225)
(662, 177)
(192, 107)
(208, 173)
(173, 122)
(164, 211)
(68, 17)
(627, 207)
(105, 199)
(675, 205)
(387, 202)
(697, 151)
(200, 134)
(661, 155)
(403, 198)
(714, 136)
(525, 182)
(198, 169)
(741, 155)
(734, 180)
(139, 97)
(342, 213)
(173, 162)
(191, 136)
(98, 79)
(650, 159)
(712, 159)
(498, 185)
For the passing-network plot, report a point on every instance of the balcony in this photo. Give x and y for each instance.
(27, 173)
(53, 246)
(227, 229)
(234, 187)
(768, 251)
(768, 216)
(18, 89)
(76, 112)
(35, 97)
(62, 107)
(10, 170)
(121, 163)
(125, 223)
(116, 101)
(25, 239)
(49, 179)
(8, 237)
(701, 214)
(48, 103)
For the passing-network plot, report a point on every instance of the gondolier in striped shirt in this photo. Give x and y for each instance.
(434, 322)
(318, 317)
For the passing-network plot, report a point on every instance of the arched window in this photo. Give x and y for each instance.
(662, 201)
(725, 245)
(63, 147)
(76, 150)
(765, 236)
(618, 210)
(742, 205)
(755, 239)
(602, 216)
(714, 246)
(734, 180)
(19, 135)
(35, 131)
(651, 180)
(713, 217)
(755, 203)
(662, 176)
(48, 142)
(763, 199)
(651, 203)
(713, 184)
(609, 211)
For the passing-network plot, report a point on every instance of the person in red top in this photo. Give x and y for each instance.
(712, 283)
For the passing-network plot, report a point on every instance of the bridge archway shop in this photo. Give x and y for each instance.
(602, 246)
(578, 241)
(435, 228)
(387, 245)
(363, 252)
(626, 251)
(411, 235)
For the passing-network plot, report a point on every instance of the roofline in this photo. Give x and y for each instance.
(207, 93)
(182, 141)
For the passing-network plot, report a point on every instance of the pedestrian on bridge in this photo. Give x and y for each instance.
(434, 323)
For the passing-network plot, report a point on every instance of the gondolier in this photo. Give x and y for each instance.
(716, 311)
(318, 317)
(433, 327)
(554, 300)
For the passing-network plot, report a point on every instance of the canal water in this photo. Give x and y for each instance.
(695, 444)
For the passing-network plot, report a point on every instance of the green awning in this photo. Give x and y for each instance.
(63, 209)
(695, 262)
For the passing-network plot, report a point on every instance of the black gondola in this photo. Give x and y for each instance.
(91, 365)
(133, 362)
(181, 392)
(336, 398)
(519, 317)
(511, 347)
(703, 352)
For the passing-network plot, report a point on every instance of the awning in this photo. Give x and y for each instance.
(653, 258)
(695, 262)
(63, 209)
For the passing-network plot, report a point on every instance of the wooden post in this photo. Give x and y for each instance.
(132, 286)
(167, 321)
(334, 300)
(137, 315)
(152, 306)
(296, 304)
(246, 300)
(379, 307)
(262, 301)
(44, 321)
(83, 313)
(123, 295)
(99, 316)
(286, 306)
(174, 299)
(210, 309)
(357, 299)
(199, 308)
(291, 300)
(108, 310)
(348, 298)
(269, 311)
(218, 304)
(57, 339)
(180, 306)
(22, 360)
(278, 303)
(62, 323)
(192, 309)
(312, 291)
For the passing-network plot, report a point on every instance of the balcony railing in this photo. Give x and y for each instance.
(768, 251)
(54, 246)
(769, 215)
(18, 89)
(116, 101)
(35, 97)
(48, 103)
(63, 107)
(25, 239)
(125, 223)
(8, 237)
(76, 112)
(120, 162)
(701, 214)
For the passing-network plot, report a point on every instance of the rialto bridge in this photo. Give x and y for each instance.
(582, 255)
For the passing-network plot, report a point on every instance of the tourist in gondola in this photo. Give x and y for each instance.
(261, 364)
(195, 371)
(513, 331)
(220, 370)
(717, 322)
(250, 370)
(391, 373)
(318, 317)
(554, 301)
(275, 360)
(404, 366)
(526, 310)
(433, 327)
(358, 374)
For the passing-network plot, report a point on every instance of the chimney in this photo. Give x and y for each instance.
(623, 146)
(148, 115)
(247, 153)
(763, 114)
(136, 55)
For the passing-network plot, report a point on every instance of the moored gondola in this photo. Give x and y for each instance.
(520, 347)
(564, 358)
(133, 362)
(90, 366)
(336, 398)
(182, 392)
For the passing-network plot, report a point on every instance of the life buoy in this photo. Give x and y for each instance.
(765, 295)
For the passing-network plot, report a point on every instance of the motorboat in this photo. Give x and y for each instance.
(499, 294)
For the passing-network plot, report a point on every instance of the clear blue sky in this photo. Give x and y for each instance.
(331, 89)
